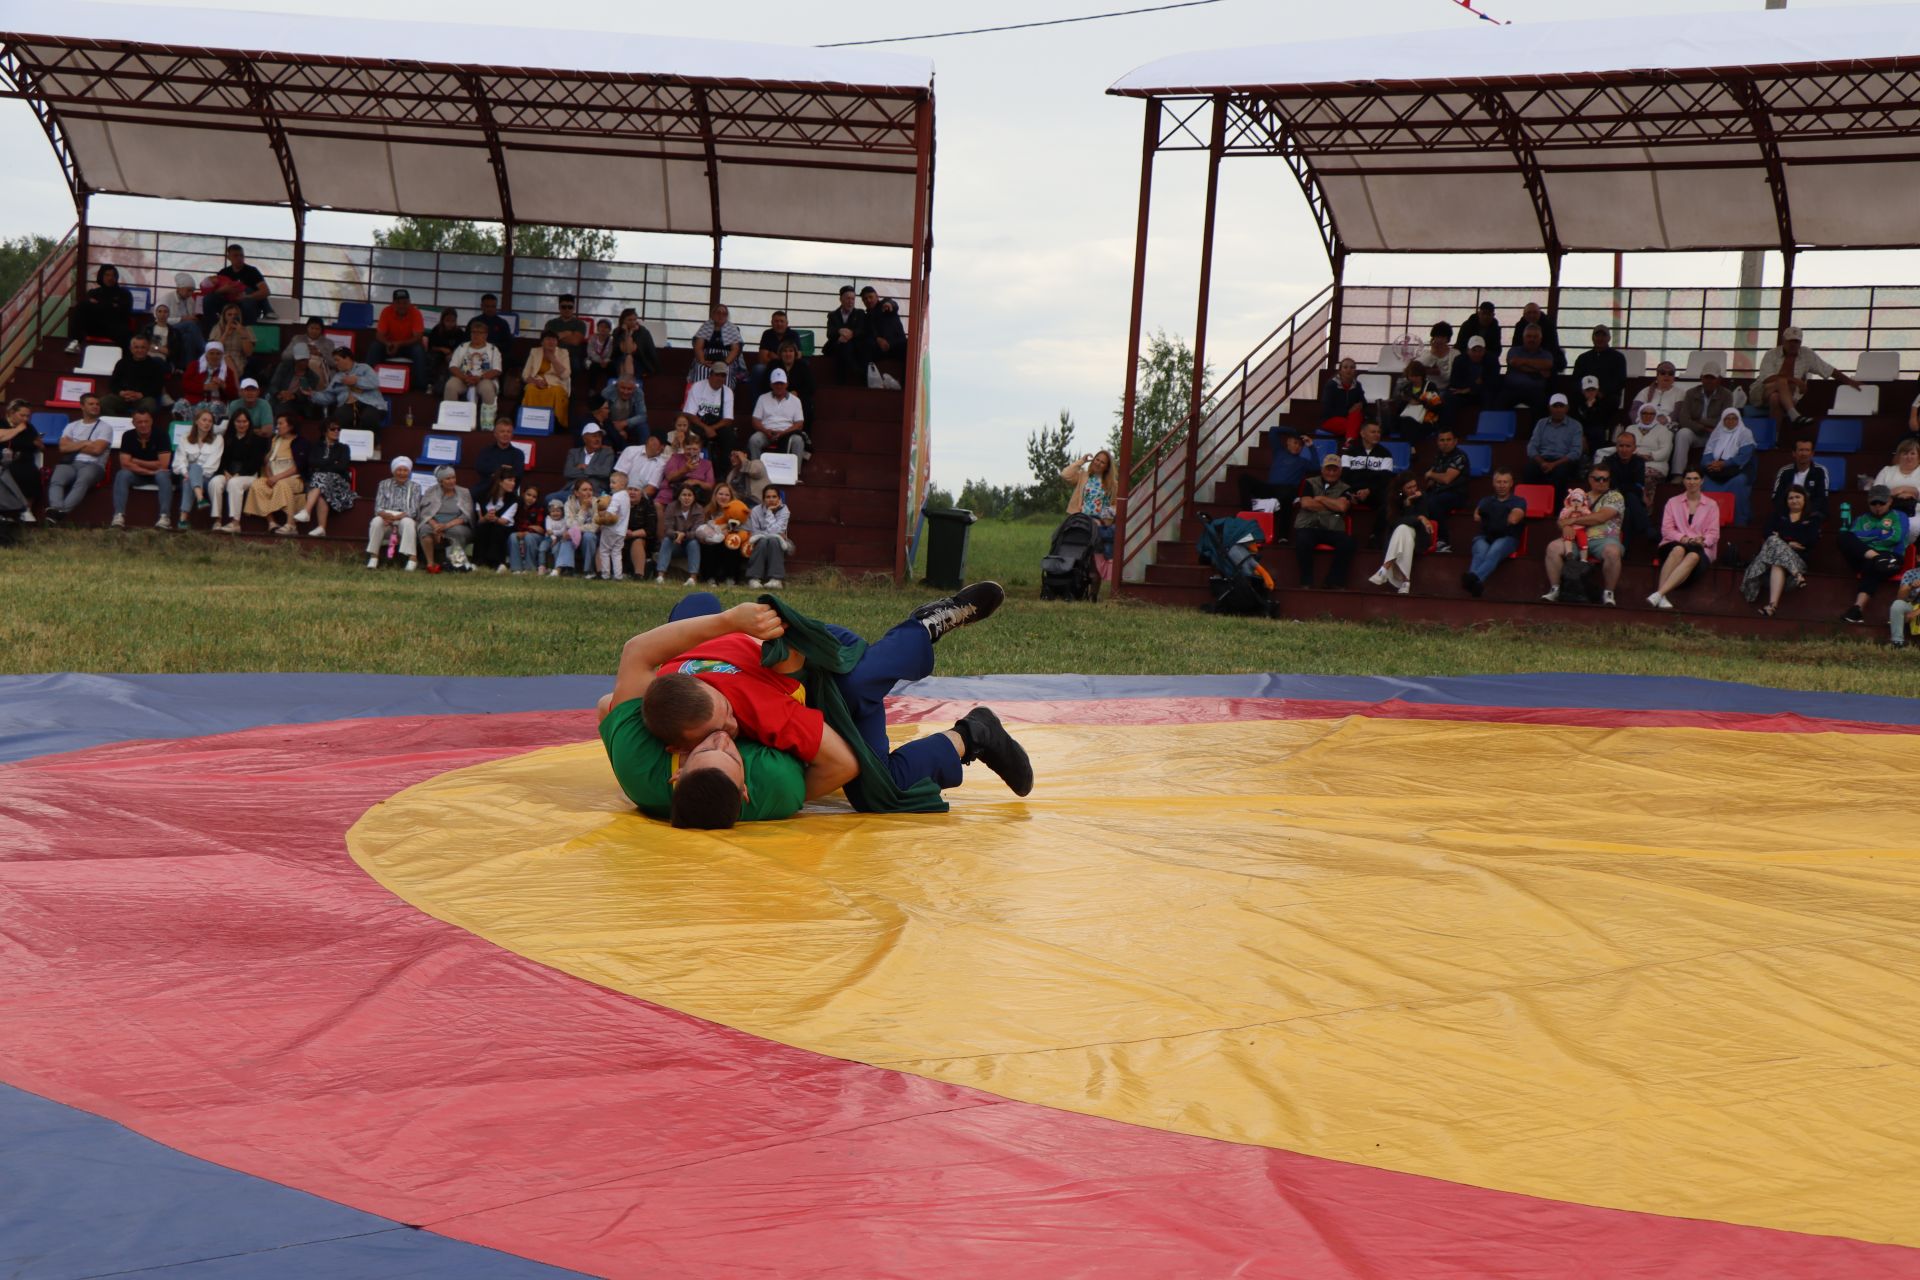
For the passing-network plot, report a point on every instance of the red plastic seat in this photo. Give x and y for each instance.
(1262, 518)
(1538, 497)
(1724, 501)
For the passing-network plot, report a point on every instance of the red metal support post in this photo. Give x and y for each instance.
(918, 270)
(1786, 289)
(506, 264)
(299, 260)
(80, 245)
(1130, 392)
(1216, 146)
(1337, 307)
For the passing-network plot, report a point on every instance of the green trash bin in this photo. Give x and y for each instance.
(948, 530)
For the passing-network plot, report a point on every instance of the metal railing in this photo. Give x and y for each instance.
(1840, 322)
(39, 308)
(674, 298)
(1164, 484)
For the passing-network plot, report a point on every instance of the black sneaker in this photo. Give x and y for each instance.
(1471, 583)
(989, 742)
(1442, 548)
(968, 605)
(1853, 615)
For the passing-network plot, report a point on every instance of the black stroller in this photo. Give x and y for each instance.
(1240, 584)
(1067, 571)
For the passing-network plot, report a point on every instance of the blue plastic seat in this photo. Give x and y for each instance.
(1495, 425)
(50, 426)
(1479, 458)
(1766, 433)
(1402, 453)
(355, 315)
(1838, 435)
(1837, 478)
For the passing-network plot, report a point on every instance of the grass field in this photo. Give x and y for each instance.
(141, 601)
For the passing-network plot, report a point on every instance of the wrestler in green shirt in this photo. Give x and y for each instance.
(776, 780)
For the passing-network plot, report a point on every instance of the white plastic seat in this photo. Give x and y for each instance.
(98, 358)
(1636, 361)
(1697, 362)
(1856, 402)
(1390, 361)
(1879, 366)
(1378, 386)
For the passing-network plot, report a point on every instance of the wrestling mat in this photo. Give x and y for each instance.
(1534, 976)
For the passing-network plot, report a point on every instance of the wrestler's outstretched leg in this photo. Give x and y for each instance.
(906, 654)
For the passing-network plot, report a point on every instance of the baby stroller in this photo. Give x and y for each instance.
(1241, 585)
(1067, 571)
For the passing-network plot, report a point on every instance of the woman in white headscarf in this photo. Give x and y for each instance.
(1726, 464)
(212, 378)
(395, 525)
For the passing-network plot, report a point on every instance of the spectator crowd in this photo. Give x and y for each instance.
(1601, 447)
(221, 430)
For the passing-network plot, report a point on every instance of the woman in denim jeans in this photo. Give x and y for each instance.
(576, 550)
(197, 461)
(530, 547)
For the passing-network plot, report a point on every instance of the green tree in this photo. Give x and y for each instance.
(563, 242)
(1165, 391)
(446, 235)
(936, 497)
(993, 500)
(1049, 450)
(18, 258)
(439, 235)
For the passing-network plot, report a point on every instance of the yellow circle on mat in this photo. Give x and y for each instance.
(1668, 970)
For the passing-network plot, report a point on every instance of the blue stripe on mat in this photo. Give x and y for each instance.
(85, 1197)
(41, 715)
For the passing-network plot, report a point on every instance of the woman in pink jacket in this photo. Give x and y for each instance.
(1689, 538)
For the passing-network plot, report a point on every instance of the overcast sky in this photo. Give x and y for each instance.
(1036, 189)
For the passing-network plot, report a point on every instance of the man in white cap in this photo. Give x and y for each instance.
(1554, 449)
(1596, 414)
(1783, 376)
(1698, 413)
(709, 404)
(259, 411)
(591, 461)
(779, 423)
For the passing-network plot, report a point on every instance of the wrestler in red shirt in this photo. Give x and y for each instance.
(765, 703)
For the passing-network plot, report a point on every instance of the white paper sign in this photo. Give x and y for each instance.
(424, 481)
(526, 451)
(456, 415)
(69, 390)
(393, 377)
(782, 468)
(359, 443)
(535, 421)
(118, 426)
(437, 449)
(341, 338)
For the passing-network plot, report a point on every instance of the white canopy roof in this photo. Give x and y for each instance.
(1758, 129)
(446, 119)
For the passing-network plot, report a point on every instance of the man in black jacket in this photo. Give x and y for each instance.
(886, 335)
(1807, 473)
(846, 331)
(139, 380)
